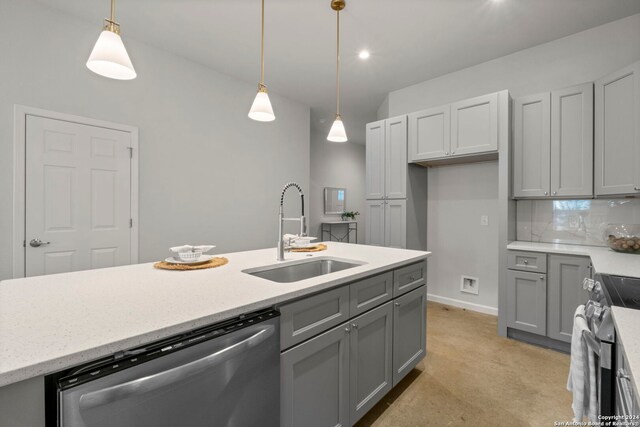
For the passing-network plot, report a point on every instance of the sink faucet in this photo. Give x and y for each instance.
(282, 219)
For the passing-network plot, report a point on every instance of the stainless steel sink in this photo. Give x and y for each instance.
(302, 270)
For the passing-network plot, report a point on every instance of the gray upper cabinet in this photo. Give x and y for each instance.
(396, 158)
(386, 159)
(429, 134)
(527, 301)
(468, 127)
(474, 125)
(532, 145)
(307, 317)
(565, 293)
(553, 143)
(370, 368)
(375, 160)
(315, 381)
(617, 132)
(572, 141)
(409, 332)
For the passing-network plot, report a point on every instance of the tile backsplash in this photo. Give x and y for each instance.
(579, 222)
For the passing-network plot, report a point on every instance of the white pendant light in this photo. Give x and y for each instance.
(109, 57)
(337, 132)
(261, 109)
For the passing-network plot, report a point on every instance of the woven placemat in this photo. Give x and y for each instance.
(317, 248)
(213, 263)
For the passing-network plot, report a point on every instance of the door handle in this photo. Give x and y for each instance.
(36, 243)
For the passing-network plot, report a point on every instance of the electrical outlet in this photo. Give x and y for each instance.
(484, 220)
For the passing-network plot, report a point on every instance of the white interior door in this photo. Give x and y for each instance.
(78, 197)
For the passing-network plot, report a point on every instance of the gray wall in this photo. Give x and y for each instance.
(336, 165)
(192, 120)
(576, 59)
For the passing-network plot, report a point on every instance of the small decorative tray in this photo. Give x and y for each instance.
(212, 263)
(315, 248)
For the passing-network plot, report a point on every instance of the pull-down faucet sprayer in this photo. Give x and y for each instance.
(282, 219)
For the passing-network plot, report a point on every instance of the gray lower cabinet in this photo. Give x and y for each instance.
(409, 332)
(565, 293)
(527, 301)
(315, 381)
(370, 359)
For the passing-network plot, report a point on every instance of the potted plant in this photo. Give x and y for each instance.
(349, 215)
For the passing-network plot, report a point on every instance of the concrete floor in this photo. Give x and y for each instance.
(473, 377)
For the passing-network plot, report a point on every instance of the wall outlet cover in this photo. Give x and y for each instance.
(469, 285)
(484, 220)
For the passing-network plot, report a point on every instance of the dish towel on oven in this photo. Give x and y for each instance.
(582, 372)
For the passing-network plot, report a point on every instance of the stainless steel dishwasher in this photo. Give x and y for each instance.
(226, 374)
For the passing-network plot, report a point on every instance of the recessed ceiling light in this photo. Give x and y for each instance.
(364, 54)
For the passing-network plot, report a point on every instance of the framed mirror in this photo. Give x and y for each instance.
(335, 200)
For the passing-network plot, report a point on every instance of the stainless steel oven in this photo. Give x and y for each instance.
(227, 374)
(605, 291)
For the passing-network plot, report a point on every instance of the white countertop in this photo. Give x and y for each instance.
(604, 260)
(626, 321)
(50, 323)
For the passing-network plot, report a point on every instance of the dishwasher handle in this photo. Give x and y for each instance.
(164, 378)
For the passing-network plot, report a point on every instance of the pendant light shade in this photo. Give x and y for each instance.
(109, 57)
(337, 132)
(261, 109)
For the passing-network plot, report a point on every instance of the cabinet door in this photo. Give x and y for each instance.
(396, 158)
(370, 368)
(429, 133)
(527, 301)
(532, 145)
(474, 125)
(617, 132)
(375, 223)
(565, 277)
(375, 154)
(572, 141)
(315, 381)
(409, 332)
(395, 224)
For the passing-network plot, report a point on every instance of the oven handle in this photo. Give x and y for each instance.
(164, 378)
(623, 391)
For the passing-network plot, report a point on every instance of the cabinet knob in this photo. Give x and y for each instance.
(446, 153)
(541, 277)
(526, 261)
(546, 193)
(555, 193)
(354, 325)
(636, 188)
(397, 304)
(347, 330)
(412, 278)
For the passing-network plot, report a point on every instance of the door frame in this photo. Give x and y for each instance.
(20, 113)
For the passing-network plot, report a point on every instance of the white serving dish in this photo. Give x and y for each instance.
(203, 258)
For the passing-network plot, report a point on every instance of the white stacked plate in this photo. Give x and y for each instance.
(202, 259)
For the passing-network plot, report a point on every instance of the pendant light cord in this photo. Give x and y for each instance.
(262, 50)
(338, 63)
(113, 11)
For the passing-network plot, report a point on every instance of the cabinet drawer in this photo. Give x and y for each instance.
(370, 292)
(408, 278)
(303, 319)
(527, 261)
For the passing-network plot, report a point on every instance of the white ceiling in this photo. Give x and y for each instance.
(410, 40)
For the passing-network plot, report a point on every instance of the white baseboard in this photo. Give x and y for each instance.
(464, 304)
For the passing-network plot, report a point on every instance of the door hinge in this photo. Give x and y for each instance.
(130, 152)
(24, 243)
(130, 222)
